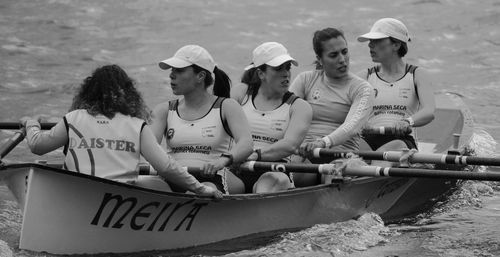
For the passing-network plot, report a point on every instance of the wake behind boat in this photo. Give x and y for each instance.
(71, 213)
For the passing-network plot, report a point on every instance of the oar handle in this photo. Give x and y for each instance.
(18, 125)
(383, 131)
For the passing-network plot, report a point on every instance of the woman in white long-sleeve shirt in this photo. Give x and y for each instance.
(105, 133)
(340, 100)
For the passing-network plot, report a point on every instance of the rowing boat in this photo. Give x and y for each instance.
(72, 213)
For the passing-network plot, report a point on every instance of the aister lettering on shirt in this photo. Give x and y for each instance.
(93, 143)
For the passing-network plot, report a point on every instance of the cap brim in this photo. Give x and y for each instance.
(277, 61)
(371, 35)
(249, 67)
(173, 62)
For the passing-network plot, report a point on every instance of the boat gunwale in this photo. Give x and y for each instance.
(295, 191)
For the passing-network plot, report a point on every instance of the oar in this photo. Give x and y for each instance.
(17, 125)
(375, 171)
(10, 144)
(371, 171)
(394, 156)
(255, 166)
(383, 131)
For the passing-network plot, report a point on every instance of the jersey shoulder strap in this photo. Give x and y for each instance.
(172, 106)
(411, 69)
(289, 98)
(218, 105)
(372, 70)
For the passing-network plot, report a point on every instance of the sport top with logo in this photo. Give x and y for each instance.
(195, 142)
(339, 111)
(393, 100)
(267, 127)
(101, 146)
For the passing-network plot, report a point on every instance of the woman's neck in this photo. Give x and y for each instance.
(197, 98)
(393, 67)
(268, 94)
(338, 80)
(267, 100)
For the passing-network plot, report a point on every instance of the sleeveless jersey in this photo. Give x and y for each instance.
(195, 142)
(393, 101)
(267, 127)
(100, 146)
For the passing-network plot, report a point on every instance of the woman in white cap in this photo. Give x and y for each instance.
(278, 119)
(404, 96)
(203, 129)
(340, 100)
(105, 133)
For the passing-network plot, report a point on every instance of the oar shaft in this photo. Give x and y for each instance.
(17, 125)
(416, 157)
(10, 144)
(375, 171)
(254, 166)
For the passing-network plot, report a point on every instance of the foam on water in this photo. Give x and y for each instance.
(336, 239)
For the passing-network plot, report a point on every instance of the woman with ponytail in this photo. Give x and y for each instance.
(278, 119)
(203, 129)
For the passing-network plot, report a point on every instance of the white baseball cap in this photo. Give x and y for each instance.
(187, 56)
(270, 53)
(387, 27)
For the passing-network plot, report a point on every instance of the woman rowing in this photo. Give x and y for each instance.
(105, 133)
(341, 101)
(404, 97)
(202, 128)
(278, 119)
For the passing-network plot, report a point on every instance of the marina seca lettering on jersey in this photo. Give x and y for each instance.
(264, 138)
(387, 107)
(115, 211)
(203, 149)
(398, 110)
(92, 143)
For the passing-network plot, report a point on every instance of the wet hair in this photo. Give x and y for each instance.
(222, 82)
(324, 35)
(403, 50)
(109, 90)
(251, 78)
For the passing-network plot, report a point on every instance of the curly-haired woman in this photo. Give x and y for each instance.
(105, 133)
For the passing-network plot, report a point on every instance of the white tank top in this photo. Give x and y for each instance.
(100, 146)
(393, 101)
(195, 142)
(267, 127)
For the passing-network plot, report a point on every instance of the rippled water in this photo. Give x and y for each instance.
(48, 46)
